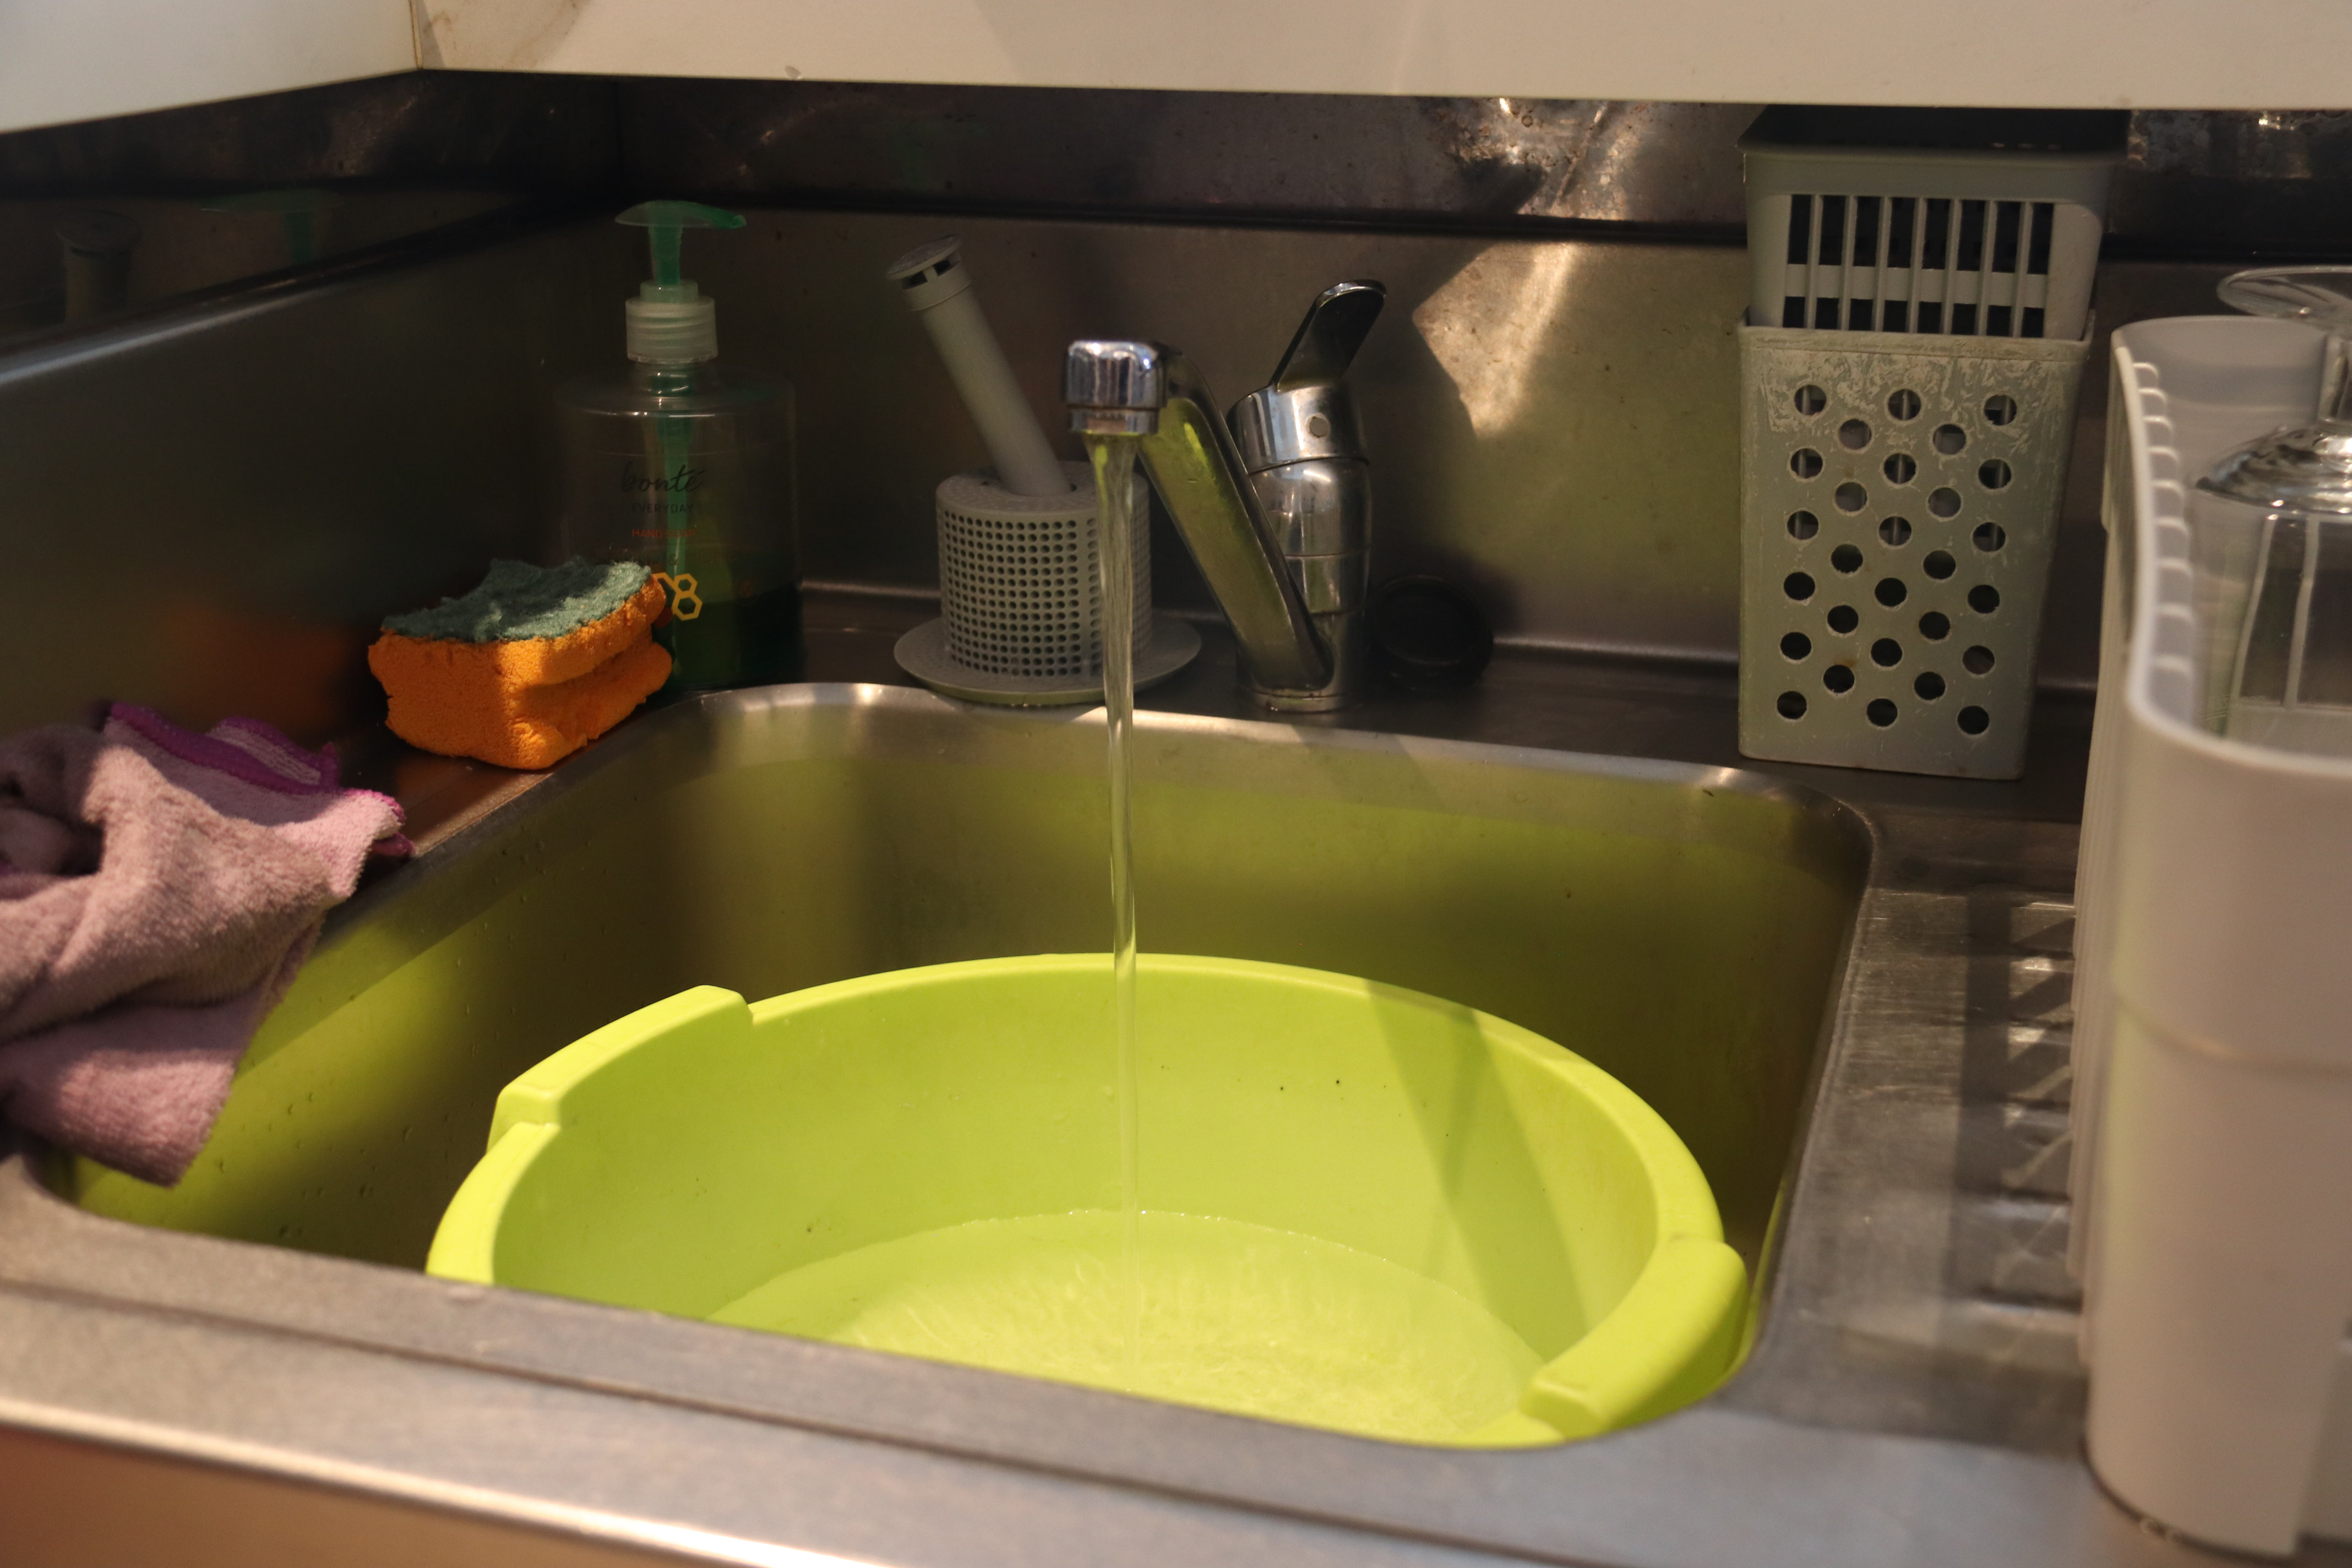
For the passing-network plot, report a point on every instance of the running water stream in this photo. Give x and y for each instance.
(1201, 1309)
(1114, 465)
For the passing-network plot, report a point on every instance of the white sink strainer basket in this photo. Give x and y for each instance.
(1021, 602)
(1019, 595)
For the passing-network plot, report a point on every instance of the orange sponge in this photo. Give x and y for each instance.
(492, 676)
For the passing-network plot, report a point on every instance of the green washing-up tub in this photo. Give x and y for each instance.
(1363, 1208)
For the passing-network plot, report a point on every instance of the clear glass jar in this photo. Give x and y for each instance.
(693, 470)
(2276, 583)
(2270, 531)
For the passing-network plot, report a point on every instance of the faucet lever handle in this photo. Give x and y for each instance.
(1327, 341)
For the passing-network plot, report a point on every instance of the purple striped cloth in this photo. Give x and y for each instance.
(158, 890)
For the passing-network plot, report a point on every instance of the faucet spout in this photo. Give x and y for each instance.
(1153, 393)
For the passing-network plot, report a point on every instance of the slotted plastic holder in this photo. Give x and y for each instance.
(1968, 223)
(1899, 499)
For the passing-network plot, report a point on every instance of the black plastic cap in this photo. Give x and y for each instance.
(1428, 635)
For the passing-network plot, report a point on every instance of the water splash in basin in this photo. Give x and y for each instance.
(1235, 1317)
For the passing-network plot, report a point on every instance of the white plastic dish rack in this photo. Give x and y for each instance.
(2212, 1096)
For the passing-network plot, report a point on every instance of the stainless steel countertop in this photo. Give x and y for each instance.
(1914, 1398)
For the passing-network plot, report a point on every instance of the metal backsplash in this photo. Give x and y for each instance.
(1390, 161)
(399, 154)
(174, 247)
(1541, 417)
(2192, 183)
(209, 505)
(228, 502)
(211, 508)
(2219, 183)
(128, 211)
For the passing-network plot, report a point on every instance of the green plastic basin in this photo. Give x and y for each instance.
(1364, 1208)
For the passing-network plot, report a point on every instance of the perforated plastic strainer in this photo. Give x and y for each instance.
(1018, 579)
(1021, 604)
(1020, 598)
(1899, 499)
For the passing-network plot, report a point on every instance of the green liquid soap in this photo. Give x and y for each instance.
(749, 640)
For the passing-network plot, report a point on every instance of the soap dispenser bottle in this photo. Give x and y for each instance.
(692, 471)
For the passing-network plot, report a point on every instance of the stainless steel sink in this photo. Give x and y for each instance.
(1841, 1000)
(1680, 926)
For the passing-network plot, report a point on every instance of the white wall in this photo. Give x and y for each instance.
(63, 61)
(2179, 54)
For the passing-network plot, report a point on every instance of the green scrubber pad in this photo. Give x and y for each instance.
(518, 602)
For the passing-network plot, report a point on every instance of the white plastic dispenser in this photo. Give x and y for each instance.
(2213, 1098)
(937, 286)
(1021, 613)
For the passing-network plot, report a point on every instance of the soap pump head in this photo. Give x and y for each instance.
(670, 321)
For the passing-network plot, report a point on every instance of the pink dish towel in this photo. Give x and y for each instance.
(158, 890)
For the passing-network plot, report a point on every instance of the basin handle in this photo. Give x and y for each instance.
(1674, 1336)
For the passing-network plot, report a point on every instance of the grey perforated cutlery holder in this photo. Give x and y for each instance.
(1899, 496)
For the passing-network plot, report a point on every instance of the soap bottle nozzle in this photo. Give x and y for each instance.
(670, 321)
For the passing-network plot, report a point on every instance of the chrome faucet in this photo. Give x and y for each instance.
(1275, 505)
